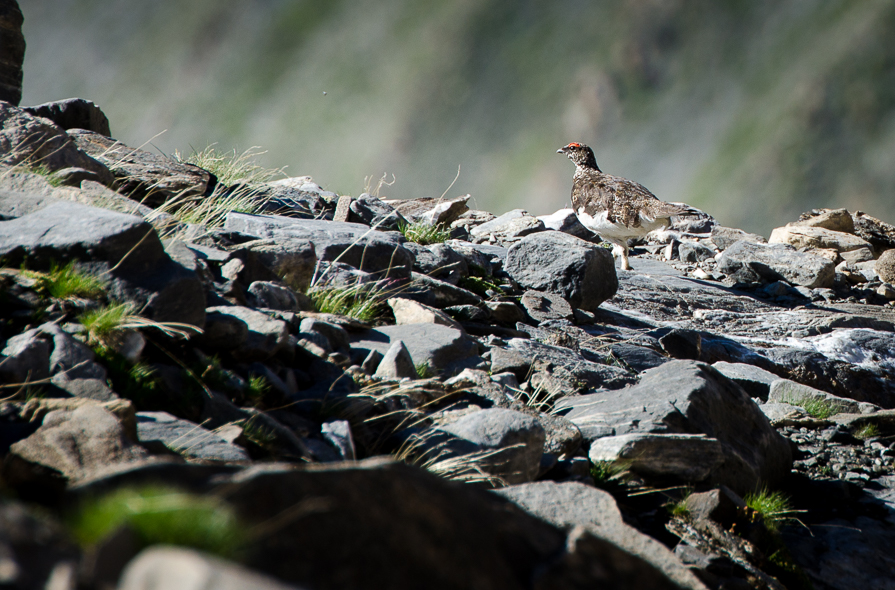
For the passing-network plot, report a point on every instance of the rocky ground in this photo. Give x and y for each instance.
(291, 388)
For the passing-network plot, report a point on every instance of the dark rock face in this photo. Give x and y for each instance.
(12, 52)
(579, 272)
(73, 113)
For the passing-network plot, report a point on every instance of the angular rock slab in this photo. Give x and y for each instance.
(518, 437)
(143, 176)
(686, 397)
(778, 261)
(440, 347)
(797, 394)
(187, 438)
(265, 336)
(685, 457)
(570, 504)
(581, 273)
(407, 311)
(351, 243)
(396, 363)
(509, 227)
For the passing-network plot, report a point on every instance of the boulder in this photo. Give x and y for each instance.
(546, 306)
(777, 261)
(13, 54)
(581, 273)
(351, 243)
(432, 211)
(176, 568)
(508, 227)
(33, 142)
(725, 237)
(515, 439)
(797, 394)
(407, 311)
(143, 176)
(754, 380)
(802, 236)
(442, 348)
(396, 363)
(681, 457)
(575, 504)
(885, 267)
(688, 398)
(265, 335)
(186, 438)
(73, 113)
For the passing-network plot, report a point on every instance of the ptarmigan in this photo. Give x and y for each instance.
(616, 208)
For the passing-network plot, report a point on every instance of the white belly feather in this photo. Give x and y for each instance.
(618, 232)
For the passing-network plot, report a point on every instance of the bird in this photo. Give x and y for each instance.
(616, 208)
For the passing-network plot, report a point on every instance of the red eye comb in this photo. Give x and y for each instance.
(574, 145)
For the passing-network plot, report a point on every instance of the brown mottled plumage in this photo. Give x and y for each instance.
(615, 208)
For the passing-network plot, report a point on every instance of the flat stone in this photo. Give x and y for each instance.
(442, 348)
(508, 227)
(754, 380)
(802, 236)
(684, 457)
(187, 438)
(778, 261)
(797, 394)
(581, 273)
(725, 237)
(265, 335)
(407, 311)
(546, 306)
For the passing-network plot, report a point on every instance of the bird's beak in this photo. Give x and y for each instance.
(561, 151)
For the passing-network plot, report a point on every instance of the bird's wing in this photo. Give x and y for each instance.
(623, 200)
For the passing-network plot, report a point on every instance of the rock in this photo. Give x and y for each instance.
(563, 437)
(186, 438)
(800, 236)
(780, 414)
(695, 252)
(338, 434)
(505, 312)
(725, 237)
(508, 227)
(885, 267)
(35, 547)
(30, 141)
(144, 273)
(546, 306)
(570, 504)
(143, 176)
(553, 262)
(839, 220)
(407, 311)
(13, 53)
(265, 336)
(754, 380)
(439, 261)
(877, 232)
(516, 438)
(71, 445)
(777, 261)
(442, 348)
(273, 296)
(291, 260)
(432, 211)
(567, 222)
(36, 409)
(335, 335)
(351, 243)
(397, 363)
(685, 397)
(683, 457)
(26, 358)
(73, 113)
(796, 394)
(721, 505)
(371, 211)
(224, 331)
(434, 293)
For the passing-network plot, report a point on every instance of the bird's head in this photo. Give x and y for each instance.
(580, 154)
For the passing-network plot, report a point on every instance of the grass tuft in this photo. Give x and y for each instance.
(424, 234)
(609, 475)
(815, 407)
(774, 508)
(424, 371)
(103, 323)
(364, 302)
(867, 431)
(62, 282)
(160, 515)
(231, 167)
(256, 390)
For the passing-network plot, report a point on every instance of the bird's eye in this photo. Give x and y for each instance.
(574, 145)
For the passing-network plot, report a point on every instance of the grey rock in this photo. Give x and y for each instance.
(695, 252)
(224, 331)
(518, 437)
(440, 347)
(407, 311)
(338, 434)
(26, 357)
(73, 113)
(683, 457)
(187, 438)
(371, 361)
(480, 258)
(563, 437)
(505, 312)
(685, 397)
(351, 243)
(432, 211)
(143, 176)
(305, 201)
(508, 227)
(797, 394)
(439, 261)
(581, 273)
(32, 141)
(87, 388)
(435, 293)
(725, 237)
(754, 380)
(265, 336)
(885, 267)
(781, 413)
(70, 445)
(176, 568)
(778, 261)
(585, 374)
(336, 335)
(292, 260)
(397, 363)
(372, 211)
(272, 296)
(636, 358)
(570, 504)
(546, 306)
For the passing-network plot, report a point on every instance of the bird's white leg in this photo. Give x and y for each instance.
(625, 264)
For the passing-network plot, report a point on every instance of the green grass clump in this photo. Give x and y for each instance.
(102, 323)
(479, 286)
(774, 508)
(867, 431)
(359, 302)
(256, 390)
(424, 371)
(44, 170)
(424, 234)
(160, 515)
(62, 282)
(609, 475)
(231, 167)
(816, 407)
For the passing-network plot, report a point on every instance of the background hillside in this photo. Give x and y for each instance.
(753, 110)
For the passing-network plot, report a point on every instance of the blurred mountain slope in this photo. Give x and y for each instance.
(753, 110)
